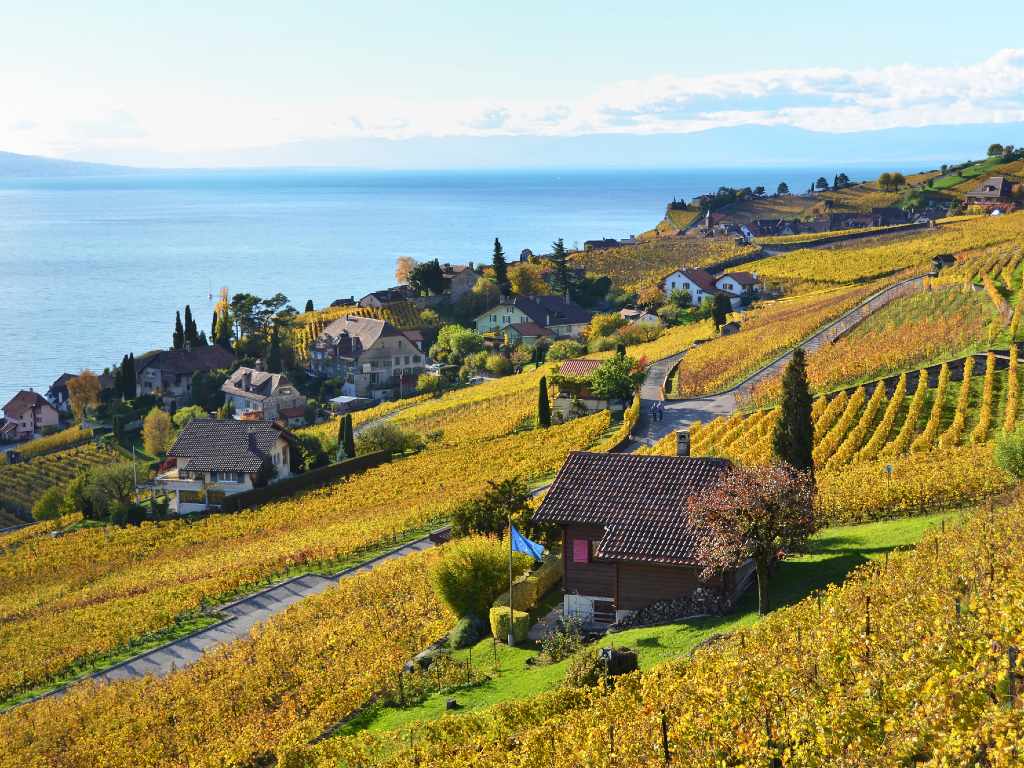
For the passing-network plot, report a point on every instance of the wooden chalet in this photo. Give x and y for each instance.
(626, 542)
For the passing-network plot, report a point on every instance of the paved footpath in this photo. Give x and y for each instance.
(240, 617)
(681, 414)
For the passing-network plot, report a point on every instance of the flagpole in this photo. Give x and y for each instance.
(511, 602)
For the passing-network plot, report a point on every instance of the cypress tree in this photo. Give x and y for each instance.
(128, 378)
(348, 437)
(720, 309)
(309, 305)
(191, 331)
(543, 406)
(119, 377)
(274, 355)
(213, 327)
(793, 439)
(340, 453)
(178, 339)
(500, 269)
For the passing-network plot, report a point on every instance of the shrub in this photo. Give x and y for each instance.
(602, 344)
(127, 514)
(470, 574)
(586, 668)
(48, 506)
(604, 325)
(529, 590)
(499, 365)
(387, 437)
(564, 642)
(428, 384)
(1009, 452)
(565, 349)
(500, 618)
(640, 333)
(184, 415)
(467, 632)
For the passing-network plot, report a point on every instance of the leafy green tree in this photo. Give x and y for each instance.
(543, 404)
(995, 150)
(427, 278)
(157, 431)
(793, 439)
(49, 505)
(898, 180)
(500, 267)
(184, 415)
(454, 343)
(387, 436)
(178, 338)
(111, 485)
(565, 349)
(615, 379)
(680, 298)
(821, 183)
(720, 309)
(489, 513)
(309, 305)
(885, 181)
(782, 189)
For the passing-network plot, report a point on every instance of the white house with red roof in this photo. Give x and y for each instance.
(27, 414)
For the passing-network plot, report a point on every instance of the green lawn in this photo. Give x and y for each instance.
(834, 553)
(966, 174)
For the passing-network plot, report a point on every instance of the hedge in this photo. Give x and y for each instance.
(314, 478)
(500, 621)
(529, 589)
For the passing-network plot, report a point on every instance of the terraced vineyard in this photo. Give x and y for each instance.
(23, 483)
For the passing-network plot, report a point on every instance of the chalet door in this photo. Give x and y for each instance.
(604, 612)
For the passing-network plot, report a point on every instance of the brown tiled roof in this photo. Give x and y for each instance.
(699, 277)
(578, 367)
(226, 445)
(262, 384)
(530, 329)
(23, 401)
(183, 361)
(743, 278)
(546, 310)
(638, 500)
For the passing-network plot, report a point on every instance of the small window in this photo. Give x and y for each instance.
(580, 551)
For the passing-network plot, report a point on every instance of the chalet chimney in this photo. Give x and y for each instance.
(682, 442)
(247, 381)
(188, 345)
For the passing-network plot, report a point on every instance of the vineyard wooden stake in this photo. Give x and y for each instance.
(664, 737)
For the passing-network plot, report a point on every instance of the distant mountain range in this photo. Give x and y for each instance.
(749, 145)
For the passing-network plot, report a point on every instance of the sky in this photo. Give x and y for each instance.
(126, 81)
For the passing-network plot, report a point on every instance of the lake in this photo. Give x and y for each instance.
(94, 268)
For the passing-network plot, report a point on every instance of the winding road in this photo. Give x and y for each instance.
(240, 616)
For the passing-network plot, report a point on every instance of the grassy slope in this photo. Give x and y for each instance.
(834, 553)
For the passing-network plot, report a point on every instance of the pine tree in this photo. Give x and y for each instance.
(543, 406)
(348, 437)
(203, 341)
(309, 305)
(793, 439)
(562, 282)
(274, 355)
(500, 269)
(178, 339)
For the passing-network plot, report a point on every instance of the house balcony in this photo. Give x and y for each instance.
(174, 480)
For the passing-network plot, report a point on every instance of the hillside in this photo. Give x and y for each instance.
(32, 166)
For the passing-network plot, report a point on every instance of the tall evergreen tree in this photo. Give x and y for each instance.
(720, 309)
(500, 269)
(309, 305)
(128, 378)
(274, 354)
(348, 439)
(178, 339)
(223, 331)
(793, 439)
(543, 406)
(119, 377)
(213, 327)
(562, 279)
(191, 330)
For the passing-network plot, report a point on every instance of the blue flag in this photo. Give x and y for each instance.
(522, 544)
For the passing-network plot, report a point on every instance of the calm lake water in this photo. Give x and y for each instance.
(93, 268)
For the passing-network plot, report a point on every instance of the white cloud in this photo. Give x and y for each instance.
(44, 117)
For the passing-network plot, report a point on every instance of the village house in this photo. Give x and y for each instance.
(888, 216)
(217, 458)
(699, 283)
(574, 398)
(26, 415)
(59, 396)
(459, 279)
(992, 191)
(387, 297)
(168, 373)
(527, 334)
(641, 316)
(371, 357)
(258, 395)
(626, 542)
(745, 285)
(562, 318)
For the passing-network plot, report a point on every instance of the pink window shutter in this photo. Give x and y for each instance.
(580, 551)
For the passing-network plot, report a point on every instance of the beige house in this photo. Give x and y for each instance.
(168, 373)
(216, 458)
(266, 396)
(27, 414)
(562, 318)
(459, 279)
(371, 357)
